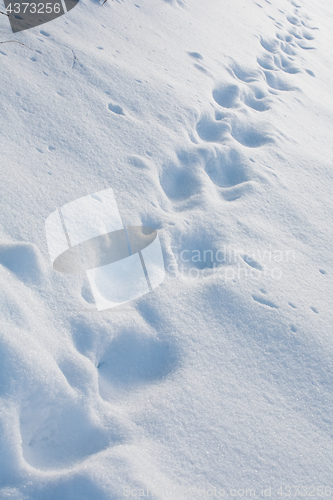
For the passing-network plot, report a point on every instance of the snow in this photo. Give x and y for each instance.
(211, 122)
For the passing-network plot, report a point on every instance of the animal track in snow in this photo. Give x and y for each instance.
(270, 44)
(252, 263)
(293, 33)
(250, 134)
(118, 110)
(181, 3)
(178, 180)
(256, 98)
(243, 74)
(23, 260)
(285, 38)
(281, 51)
(266, 61)
(277, 82)
(212, 131)
(249, 89)
(265, 302)
(307, 35)
(59, 433)
(278, 61)
(200, 68)
(294, 20)
(225, 167)
(239, 126)
(304, 46)
(131, 360)
(138, 162)
(231, 96)
(227, 96)
(196, 55)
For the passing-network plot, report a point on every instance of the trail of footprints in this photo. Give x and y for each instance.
(264, 301)
(55, 428)
(237, 122)
(128, 359)
(236, 118)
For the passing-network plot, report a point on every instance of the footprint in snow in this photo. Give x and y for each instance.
(131, 361)
(178, 180)
(232, 96)
(265, 302)
(23, 260)
(196, 55)
(115, 108)
(252, 263)
(226, 167)
(314, 310)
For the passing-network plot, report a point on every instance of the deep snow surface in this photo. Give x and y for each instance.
(212, 122)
